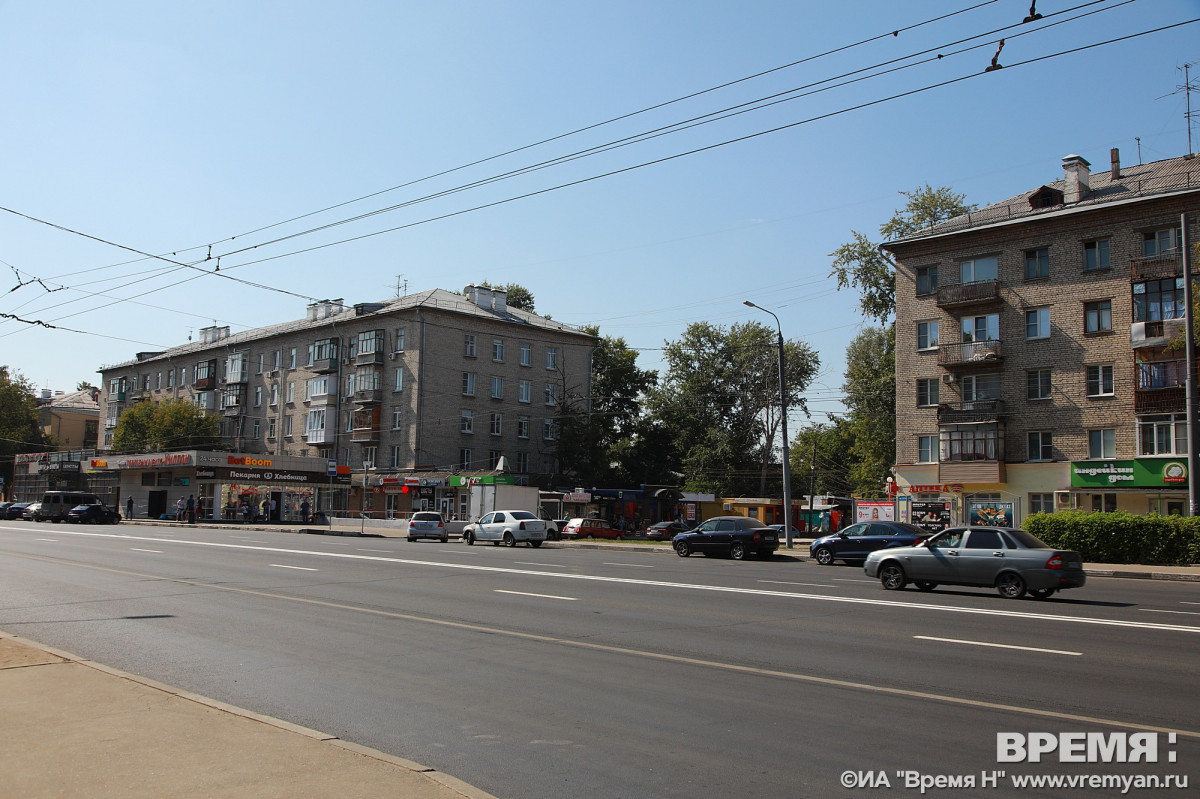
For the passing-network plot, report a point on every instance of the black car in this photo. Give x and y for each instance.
(16, 510)
(859, 540)
(93, 514)
(665, 531)
(736, 536)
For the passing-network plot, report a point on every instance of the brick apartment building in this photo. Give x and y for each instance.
(1032, 372)
(435, 383)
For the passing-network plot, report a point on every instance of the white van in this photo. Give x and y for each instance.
(57, 504)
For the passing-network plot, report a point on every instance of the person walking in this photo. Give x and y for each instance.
(191, 509)
(266, 510)
(304, 506)
(129, 508)
(179, 509)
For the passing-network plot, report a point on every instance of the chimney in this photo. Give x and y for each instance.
(1115, 155)
(47, 393)
(1078, 173)
(500, 301)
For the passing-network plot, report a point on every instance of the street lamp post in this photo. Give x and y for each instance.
(783, 405)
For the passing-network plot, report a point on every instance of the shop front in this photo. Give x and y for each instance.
(1141, 485)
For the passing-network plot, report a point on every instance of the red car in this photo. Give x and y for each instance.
(592, 528)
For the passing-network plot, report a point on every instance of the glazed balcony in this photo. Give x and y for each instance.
(975, 353)
(960, 294)
(1160, 387)
(324, 366)
(368, 396)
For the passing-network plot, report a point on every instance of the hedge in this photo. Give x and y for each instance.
(1121, 537)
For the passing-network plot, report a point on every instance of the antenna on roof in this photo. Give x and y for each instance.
(1187, 88)
(401, 286)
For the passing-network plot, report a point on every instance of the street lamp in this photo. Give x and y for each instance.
(783, 404)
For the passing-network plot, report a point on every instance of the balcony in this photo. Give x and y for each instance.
(364, 435)
(232, 410)
(314, 437)
(324, 366)
(322, 400)
(368, 358)
(984, 410)
(1160, 387)
(1155, 267)
(975, 353)
(204, 383)
(981, 471)
(241, 375)
(135, 394)
(958, 294)
(368, 396)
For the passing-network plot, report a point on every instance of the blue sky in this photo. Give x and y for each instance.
(167, 128)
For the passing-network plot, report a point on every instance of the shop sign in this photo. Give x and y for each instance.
(578, 497)
(1141, 473)
(990, 514)
(931, 516)
(57, 467)
(459, 481)
(270, 477)
(881, 510)
(154, 461)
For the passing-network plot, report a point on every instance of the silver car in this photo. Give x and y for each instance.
(506, 527)
(427, 524)
(1012, 561)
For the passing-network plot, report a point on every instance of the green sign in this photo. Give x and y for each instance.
(1143, 473)
(461, 481)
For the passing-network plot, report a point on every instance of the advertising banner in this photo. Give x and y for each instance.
(875, 510)
(990, 514)
(1141, 473)
(931, 516)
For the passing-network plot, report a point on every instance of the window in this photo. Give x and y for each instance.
(350, 384)
(315, 421)
(464, 459)
(497, 423)
(1037, 264)
(1156, 300)
(524, 391)
(1100, 380)
(271, 429)
(468, 346)
(522, 427)
(927, 280)
(548, 429)
(399, 384)
(981, 328)
(287, 425)
(256, 430)
(371, 342)
(523, 462)
(498, 350)
(927, 335)
(397, 416)
(1037, 384)
(258, 396)
(551, 394)
(1161, 374)
(980, 387)
(1095, 255)
(927, 449)
(1041, 503)
(548, 464)
(1160, 243)
(494, 456)
(399, 340)
(1102, 444)
(292, 358)
(1097, 316)
(291, 391)
(971, 442)
(927, 392)
(1104, 503)
(395, 464)
(170, 378)
(979, 269)
(1037, 323)
(369, 455)
(204, 399)
(467, 422)
(527, 355)
(1162, 435)
(1041, 446)
(258, 370)
(468, 384)
(275, 360)
(497, 388)
(324, 350)
(551, 357)
(274, 393)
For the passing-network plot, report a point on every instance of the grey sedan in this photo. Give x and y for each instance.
(1012, 561)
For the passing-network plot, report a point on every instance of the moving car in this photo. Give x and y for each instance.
(427, 524)
(507, 527)
(665, 531)
(16, 510)
(859, 540)
(1011, 561)
(736, 536)
(93, 513)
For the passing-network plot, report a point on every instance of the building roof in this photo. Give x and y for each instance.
(76, 401)
(1138, 183)
(433, 299)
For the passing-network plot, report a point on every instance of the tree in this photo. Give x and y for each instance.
(169, 425)
(19, 429)
(870, 388)
(860, 264)
(822, 451)
(519, 297)
(719, 400)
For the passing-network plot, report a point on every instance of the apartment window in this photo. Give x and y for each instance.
(523, 462)
(497, 388)
(1037, 323)
(469, 346)
(1097, 316)
(399, 340)
(1104, 503)
(467, 422)
(1037, 264)
(1041, 503)
(258, 396)
(548, 464)
(398, 385)
(275, 360)
(980, 387)
(1158, 243)
(318, 386)
(927, 280)
(274, 393)
(527, 355)
(551, 357)
(1161, 374)
(981, 328)
(522, 427)
(464, 459)
(1155, 300)
(927, 449)
(397, 417)
(324, 350)
(369, 455)
(1162, 435)
(315, 421)
(548, 429)
(497, 424)
(1102, 444)
(468, 384)
(494, 456)
(1041, 446)
(271, 429)
(524, 391)
(1095, 255)
(551, 394)
(498, 350)
(170, 378)
(970, 442)
(1037, 384)
(979, 269)
(291, 391)
(395, 464)
(927, 335)
(258, 370)
(1100, 380)
(182, 376)
(292, 358)
(927, 392)
(204, 399)
(370, 342)
(287, 425)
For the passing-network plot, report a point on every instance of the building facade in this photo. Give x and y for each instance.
(1033, 366)
(435, 383)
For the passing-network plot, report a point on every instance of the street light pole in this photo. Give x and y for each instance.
(783, 406)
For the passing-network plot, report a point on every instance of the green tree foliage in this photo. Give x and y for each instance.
(870, 388)
(19, 429)
(168, 425)
(860, 264)
(822, 452)
(719, 401)
(519, 297)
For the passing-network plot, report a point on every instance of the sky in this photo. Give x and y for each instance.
(367, 148)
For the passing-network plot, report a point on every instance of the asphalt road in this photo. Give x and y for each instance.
(567, 672)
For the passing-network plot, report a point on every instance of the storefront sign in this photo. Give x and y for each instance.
(1140, 473)
(579, 497)
(931, 516)
(152, 461)
(877, 511)
(461, 481)
(990, 514)
(267, 476)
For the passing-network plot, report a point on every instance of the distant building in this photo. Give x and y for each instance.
(70, 421)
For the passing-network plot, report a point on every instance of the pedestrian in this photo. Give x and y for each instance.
(266, 510)
(273, 515)
(179, 509)
(191, 509)
(304, 506)
(621, 523)
(129, 508)
(245, 511)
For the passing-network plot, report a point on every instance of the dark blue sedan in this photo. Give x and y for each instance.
(735, 536)
(859, 540)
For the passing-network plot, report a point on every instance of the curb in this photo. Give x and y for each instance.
(1182, 578)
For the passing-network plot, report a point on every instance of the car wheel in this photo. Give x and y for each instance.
(682, 549)
(411, 539)
(925, 585)
(469, 538)
(1010, 585)
(737, 551)
(824, 556)
(620, 538)
(1041, 593)
(589, 535)
(891, 576)
(445, 539)
(535, 544)
(509, 541)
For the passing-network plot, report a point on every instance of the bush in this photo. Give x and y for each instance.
(1121, 537)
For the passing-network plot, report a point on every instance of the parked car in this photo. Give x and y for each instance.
(859, 540)
(507, 527)
(33, 513)
(597, 528)
(16, 510)
(736, 536)
(3, 507)
(554, 529)
(93, 513)
(428, 524)
(570, 529)
(796, 531)
(1011, 561)
(57, 504)
(665, 531)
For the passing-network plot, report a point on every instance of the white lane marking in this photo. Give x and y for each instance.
(997, 646)
(155, 551)
(251, 540)
(885, 603)
(543, 565)
(45, 539)
(301, 568)
(1189, 603)
(785, 582)
(384, 551)
(1180, 612)
(632, 565)
(852, 580)
(540, 596)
